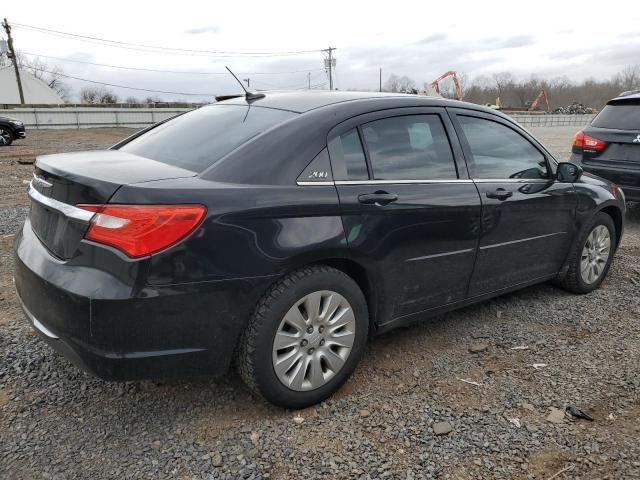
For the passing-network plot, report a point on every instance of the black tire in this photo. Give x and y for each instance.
(6, 136)
(254, 354)
(573, 280)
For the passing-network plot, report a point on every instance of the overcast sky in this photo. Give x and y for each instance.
(419, 39)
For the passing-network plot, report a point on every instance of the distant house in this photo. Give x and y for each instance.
(35, 90)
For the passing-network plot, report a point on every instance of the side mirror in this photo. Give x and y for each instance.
(568, 172)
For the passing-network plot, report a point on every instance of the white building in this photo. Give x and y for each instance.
(35, 91)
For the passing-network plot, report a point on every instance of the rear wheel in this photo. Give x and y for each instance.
(591, 257)
(305, 338)
(6, 136)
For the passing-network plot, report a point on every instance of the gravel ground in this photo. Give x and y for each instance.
(408, 412)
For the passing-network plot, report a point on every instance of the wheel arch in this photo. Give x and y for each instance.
(362, 277)
(616, 215)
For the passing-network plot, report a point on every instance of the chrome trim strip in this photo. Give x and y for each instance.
(314, 183)
(436, 255)
(36, 324)
(41, 181)
(511, 180)
(512, 242)
(390, 182)
(67, 210)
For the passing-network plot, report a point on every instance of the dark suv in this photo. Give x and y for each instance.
(610, 145)
(281, 231)
(10, 129)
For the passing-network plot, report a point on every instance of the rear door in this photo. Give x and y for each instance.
(618, 125)
(527, 217)
(410, 212)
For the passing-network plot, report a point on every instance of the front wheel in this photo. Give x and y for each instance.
(6, 137)
(305, 338)
(591, 256)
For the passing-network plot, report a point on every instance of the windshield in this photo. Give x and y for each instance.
(625, 116)
(198, 139)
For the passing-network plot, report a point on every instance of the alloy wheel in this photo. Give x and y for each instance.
(5, 137)
(314, 340)
(595, 254)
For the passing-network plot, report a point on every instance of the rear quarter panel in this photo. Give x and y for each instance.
(249, 230)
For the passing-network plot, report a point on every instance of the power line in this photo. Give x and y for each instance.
(124, 86)
(157, 48)
(290, 87)
(166, 71)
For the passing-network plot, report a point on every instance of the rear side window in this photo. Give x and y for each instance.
(500, 152)
(412, 147)
(623, 116)
(198, 139)
(348, 158)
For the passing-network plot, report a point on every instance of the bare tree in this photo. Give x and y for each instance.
(629, 77)
(52, 75)
(97, 95)
(519, 93)
(392, 84)
(399, 84)
(503, 81)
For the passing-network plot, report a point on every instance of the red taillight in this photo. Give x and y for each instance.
(587, 143)
(578, 139)
(140, 230)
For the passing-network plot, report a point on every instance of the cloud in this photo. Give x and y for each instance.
(205, 29)
(518, 41)
(436, 37)
(497, 43)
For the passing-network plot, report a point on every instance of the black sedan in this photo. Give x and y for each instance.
(281, 230)
(10, 130)
(610, 145)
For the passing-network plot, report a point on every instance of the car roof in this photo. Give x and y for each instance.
(305, 101)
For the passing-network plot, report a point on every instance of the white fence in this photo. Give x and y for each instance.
(552, 120)
(91, 117)
(88, 117)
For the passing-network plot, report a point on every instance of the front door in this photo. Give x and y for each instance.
(410, 212)
(528, 219)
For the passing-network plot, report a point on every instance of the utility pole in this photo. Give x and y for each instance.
(380, 78)
(248, 80)
(12, 55)
(309, 79)
(330, 63)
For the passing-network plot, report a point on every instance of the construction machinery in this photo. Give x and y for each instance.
(541, 95)
(456, 82)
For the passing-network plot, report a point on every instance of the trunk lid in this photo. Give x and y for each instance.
(623, 146)
(62, 181)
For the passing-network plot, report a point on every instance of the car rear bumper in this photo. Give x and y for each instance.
(173, 330)
(626, 178)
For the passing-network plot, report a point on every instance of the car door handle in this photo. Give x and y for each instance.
(377, 198)
(500, 194)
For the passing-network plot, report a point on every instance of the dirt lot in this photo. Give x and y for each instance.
(59, 423)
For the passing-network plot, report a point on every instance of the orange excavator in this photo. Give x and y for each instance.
(541, 95)
(456, 82)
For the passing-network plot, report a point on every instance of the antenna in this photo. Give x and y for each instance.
(247, 94)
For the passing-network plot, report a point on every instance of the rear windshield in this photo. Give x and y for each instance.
(624, 116)
(198, 139)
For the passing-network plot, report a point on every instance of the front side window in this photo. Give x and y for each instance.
(414, 147)
(347, 157)
(500, 152)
